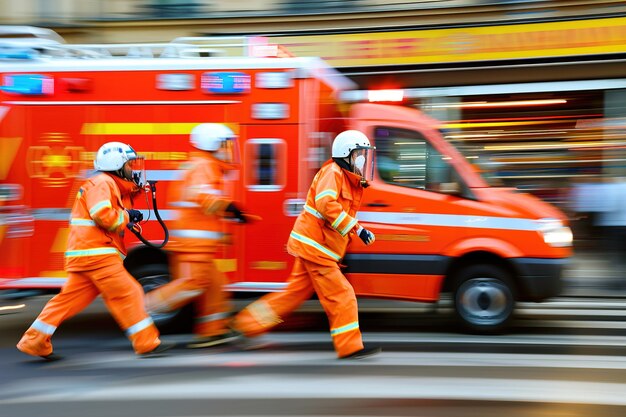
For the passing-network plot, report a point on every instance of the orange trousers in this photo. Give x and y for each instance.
(198, 281)
(334, 292)
(122, 295)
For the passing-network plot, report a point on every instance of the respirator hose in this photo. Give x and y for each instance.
(161, 222)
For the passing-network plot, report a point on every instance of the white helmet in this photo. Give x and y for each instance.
(347, 141)
(113, 155)
(209, 136)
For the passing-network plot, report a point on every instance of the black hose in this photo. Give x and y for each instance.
(158, 216)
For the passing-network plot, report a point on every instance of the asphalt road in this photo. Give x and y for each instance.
(565, 358)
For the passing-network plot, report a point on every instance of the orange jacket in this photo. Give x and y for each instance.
(321, 232)
(97, 223)
(199, 200)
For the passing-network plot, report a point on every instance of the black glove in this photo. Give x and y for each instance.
(366, 236)
(236, 213)
(134, 216)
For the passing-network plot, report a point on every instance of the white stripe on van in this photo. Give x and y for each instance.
(449, 220)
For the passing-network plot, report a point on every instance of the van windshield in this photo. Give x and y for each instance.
(404, 157)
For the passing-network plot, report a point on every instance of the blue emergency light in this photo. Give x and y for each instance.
(225, 82)
(28, 84)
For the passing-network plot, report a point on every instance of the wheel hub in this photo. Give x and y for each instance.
(484, 301)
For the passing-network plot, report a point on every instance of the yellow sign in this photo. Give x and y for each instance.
(485, 43)
(54, 161)
(403, 238)
(269, 265)
(139, 129)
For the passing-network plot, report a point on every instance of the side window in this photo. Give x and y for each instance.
(404, 157)
(265, 164)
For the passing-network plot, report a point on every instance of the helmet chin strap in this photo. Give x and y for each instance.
(343, 163)
(120, 173)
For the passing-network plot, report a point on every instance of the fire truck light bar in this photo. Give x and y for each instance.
(28, 84)
(225, 82)
(385, 95)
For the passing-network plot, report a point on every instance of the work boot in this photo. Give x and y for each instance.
(158, 351)
(210, 341)
(363, 353)
(35, 343)
(51, 357)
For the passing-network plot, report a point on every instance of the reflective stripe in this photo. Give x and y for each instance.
(196, 234)
(92, 252)
(326, 193)
(450, 220)
(348, 227)
(137, 327)
(31, 282)
(56, 214)
(311, 242)
(164, 175)
(120, 220)
(313, 211)
(206, 189)
(184, 204)
(212, 317)
(339, 219)
(42, 327)
(96, 208)
(343, 329)
(82, 222)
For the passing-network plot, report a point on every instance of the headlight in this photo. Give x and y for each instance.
(555, 234)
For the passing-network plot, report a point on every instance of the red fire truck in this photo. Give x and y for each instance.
(439, 227)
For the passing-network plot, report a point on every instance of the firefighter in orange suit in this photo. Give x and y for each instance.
(94, 258)
(201, 202)
(319, 240)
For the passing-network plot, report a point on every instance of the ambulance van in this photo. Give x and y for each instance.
(439, 227)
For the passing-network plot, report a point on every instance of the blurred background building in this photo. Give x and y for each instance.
(533, 91)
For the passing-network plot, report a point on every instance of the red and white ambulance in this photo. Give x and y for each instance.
(439, 227)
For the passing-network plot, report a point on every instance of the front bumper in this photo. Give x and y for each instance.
(539, 278)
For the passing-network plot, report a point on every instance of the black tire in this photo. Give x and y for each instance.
(153, 276)
(484, 298)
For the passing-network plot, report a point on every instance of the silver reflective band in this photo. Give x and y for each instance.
(313, 211)
(450, 220)
(196, 234)
(137, 327)
(42, 327)
(82, 222)
(184, 204)
(343, 329)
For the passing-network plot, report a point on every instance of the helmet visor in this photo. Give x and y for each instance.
(362, 162)
(136, 170)
(229, 151)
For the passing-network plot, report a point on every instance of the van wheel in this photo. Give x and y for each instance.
(483, 298)
(151, 277)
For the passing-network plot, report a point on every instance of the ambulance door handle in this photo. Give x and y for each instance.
(378, 204)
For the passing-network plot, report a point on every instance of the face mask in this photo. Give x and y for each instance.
(359, 163)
